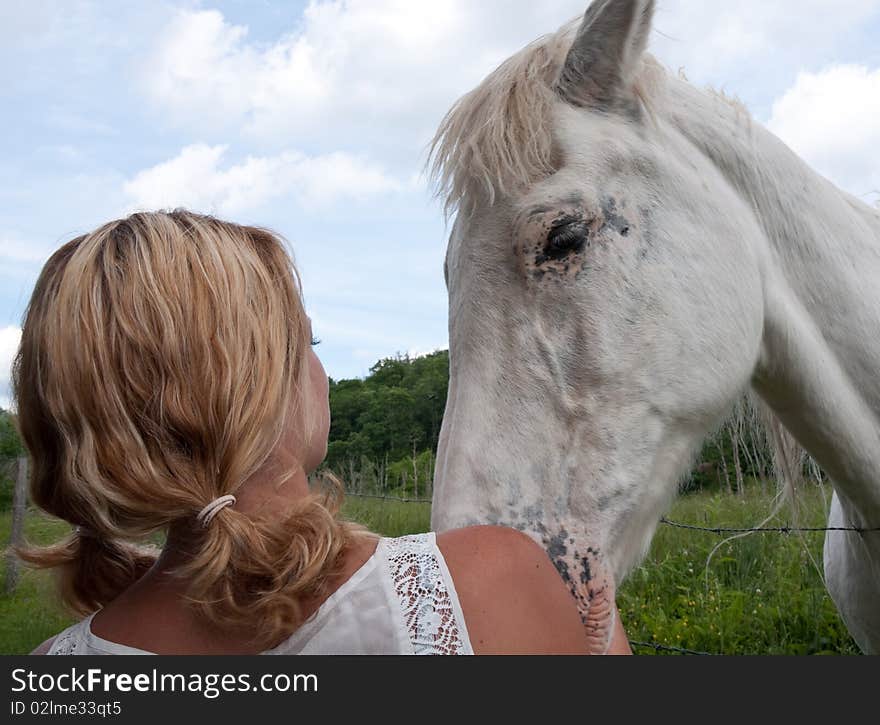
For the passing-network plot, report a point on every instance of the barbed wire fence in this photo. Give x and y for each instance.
(20, 504)
(382, 497)
(767, 529)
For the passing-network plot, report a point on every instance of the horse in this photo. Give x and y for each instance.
(629, 256)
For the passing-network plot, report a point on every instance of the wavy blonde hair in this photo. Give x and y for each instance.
(161, 358)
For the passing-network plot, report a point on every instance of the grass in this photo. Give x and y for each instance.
(31, 613)
(759, 594)
(388, 517)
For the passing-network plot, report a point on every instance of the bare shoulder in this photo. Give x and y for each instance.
(44, 647)
(492, 548)
(513, 599)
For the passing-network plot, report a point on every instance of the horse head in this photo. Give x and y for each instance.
(605, 299)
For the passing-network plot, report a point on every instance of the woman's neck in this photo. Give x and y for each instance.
(153, 614)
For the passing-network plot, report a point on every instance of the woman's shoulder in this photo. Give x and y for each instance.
(513, 598)
(489, 539)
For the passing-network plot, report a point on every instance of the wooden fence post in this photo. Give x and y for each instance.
(16, 537)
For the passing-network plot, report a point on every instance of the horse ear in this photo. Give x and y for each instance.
(606, 51)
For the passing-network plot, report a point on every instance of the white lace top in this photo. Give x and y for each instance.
(401, 601)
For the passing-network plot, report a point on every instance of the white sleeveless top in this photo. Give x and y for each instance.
(401, 601)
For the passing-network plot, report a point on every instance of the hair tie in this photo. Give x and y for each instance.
(205, 516)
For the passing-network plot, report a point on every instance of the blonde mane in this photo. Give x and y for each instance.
(498, 137)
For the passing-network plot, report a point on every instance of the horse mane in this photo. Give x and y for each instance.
(498, 137)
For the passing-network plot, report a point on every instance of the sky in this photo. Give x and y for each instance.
(313, 118)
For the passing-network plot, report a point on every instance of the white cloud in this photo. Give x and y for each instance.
(830, 119)
(716, 42)
(418, 352)
(379, 74)
(358, 69)
(9, 339)
(197, 179)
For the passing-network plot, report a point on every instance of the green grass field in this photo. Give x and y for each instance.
(760, 594)
(31, 613)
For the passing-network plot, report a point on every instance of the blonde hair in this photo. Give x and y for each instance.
(161, 358)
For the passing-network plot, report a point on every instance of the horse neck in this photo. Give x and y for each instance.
(820, 265)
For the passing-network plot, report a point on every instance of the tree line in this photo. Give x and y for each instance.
(384, 428)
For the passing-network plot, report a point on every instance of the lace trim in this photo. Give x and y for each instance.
(68, 642)
(424, 597)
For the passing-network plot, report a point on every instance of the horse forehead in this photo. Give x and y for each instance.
(482, 231)
(586, 138)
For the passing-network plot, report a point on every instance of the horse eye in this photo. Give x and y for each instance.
(565, 237)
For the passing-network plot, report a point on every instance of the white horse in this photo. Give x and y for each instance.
(629, 255)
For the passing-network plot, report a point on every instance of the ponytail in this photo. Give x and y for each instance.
(257, 571)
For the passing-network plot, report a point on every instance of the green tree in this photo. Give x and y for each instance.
(10, 442)
(11, 448)
(388, 418)
(389, 372)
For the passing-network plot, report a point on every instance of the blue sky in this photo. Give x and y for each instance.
(312, 118)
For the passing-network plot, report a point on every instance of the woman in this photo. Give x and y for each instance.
(165, 383)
